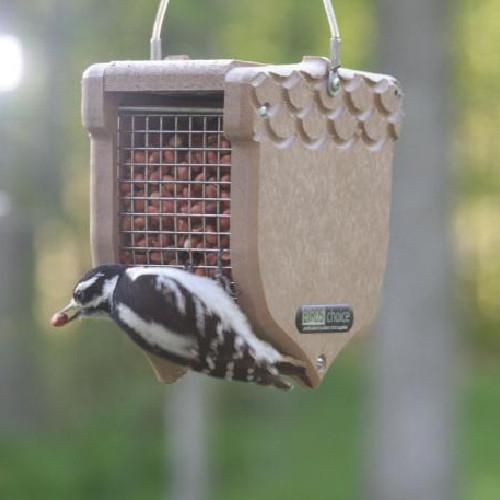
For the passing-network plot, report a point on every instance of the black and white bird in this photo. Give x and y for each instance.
(183, 318)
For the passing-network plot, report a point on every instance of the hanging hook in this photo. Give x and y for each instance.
(156, 36)
(334, 84)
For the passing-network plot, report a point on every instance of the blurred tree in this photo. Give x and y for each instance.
(20, 389)
(187, 419)
(478, 219)
(415, 347)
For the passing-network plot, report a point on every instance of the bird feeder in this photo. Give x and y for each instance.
(278, 176)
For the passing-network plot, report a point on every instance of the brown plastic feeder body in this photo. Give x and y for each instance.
(310, 188)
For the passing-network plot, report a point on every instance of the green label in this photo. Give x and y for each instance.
(324, 318)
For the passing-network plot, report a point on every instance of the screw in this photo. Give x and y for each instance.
(264, 111)
(334, 84)
(321, 363)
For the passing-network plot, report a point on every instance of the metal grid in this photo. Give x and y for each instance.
(174, 185)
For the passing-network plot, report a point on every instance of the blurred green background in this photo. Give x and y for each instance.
(81, 414)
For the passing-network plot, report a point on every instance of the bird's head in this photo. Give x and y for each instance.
(91, 295)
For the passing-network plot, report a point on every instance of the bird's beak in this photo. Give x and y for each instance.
(72, 310)
(68, 314)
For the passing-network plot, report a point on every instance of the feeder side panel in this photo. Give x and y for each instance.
(312, 220)
(325, 175)
(239, 121)
(326, 238)
(245, 236)
(99, 118)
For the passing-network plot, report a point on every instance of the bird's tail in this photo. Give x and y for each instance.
(272, 380)
(272, 375)
(293, 368)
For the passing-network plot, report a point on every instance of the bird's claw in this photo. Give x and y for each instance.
(223, 281)
(189, 267)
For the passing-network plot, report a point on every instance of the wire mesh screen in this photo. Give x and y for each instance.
(174, 185)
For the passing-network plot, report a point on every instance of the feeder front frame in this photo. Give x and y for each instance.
(149, 84)
(107, 87)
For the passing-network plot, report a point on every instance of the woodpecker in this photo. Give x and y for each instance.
(186, 319)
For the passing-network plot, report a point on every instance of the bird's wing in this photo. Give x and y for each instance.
(176, 321)
(156, 316)
(164, 301)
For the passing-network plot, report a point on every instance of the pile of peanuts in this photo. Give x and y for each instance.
(175, 203)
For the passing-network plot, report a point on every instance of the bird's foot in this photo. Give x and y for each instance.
(227, 286)
(189, 267)
(223, 281)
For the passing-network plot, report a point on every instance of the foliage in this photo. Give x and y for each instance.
(478, 210)
(265, 445)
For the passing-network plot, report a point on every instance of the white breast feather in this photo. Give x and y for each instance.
(200, 317)
(217, 301)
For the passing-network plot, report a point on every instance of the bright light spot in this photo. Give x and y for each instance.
(11, 62)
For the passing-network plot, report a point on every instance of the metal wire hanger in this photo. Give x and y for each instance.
(335, 42)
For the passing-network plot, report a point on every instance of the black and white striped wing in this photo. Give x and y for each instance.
(193, 321)
(155, 314)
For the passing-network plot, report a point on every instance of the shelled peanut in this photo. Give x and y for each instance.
(176, 203)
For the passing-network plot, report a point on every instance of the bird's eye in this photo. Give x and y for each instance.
(78, 296)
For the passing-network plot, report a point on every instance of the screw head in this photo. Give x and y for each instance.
(334, 83)
(264, 111)
(321, 363)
